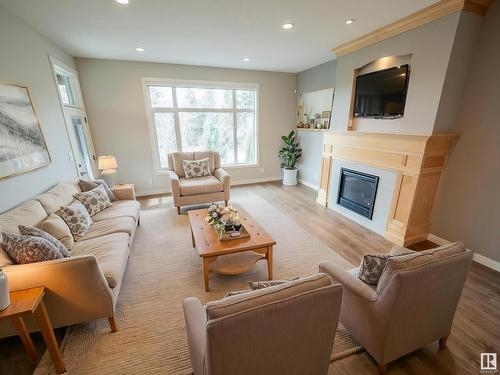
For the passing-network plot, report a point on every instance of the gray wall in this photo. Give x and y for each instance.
(116, 109)
(317, 78)
(24, 60)
(430, 46)
(320, 77)
(468, 203)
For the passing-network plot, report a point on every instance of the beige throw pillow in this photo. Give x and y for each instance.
(196, 168)
(57, 228)
(77, 218)
(94, 200)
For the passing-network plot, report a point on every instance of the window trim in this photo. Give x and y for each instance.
(148, 81)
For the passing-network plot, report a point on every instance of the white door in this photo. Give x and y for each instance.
(75, 117)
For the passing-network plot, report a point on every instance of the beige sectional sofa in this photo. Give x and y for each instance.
(86, 285)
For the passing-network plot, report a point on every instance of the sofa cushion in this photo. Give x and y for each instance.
(77, 218)
(119, 209)
(57, 227)
(28, 213)
(35, 232)
(200, 185)
(94, 200)
(29, 249)
(60, 195)
(247, 301)
(123, 224)
(196, 168)
(111, 252)
(414, 259)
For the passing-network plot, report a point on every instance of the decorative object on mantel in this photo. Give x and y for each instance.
(22, 145)
(289, 155)
(107, 166)
(4, 291)
(226, 222)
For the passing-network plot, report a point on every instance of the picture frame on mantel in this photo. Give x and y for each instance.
(22, 144)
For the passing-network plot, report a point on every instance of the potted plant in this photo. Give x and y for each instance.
(289, 155)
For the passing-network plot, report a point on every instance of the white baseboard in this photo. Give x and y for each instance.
(308, 184)
(481, 259)
(256, 180)
(141, 193)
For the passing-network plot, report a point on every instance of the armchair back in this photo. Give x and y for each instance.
(175, 160)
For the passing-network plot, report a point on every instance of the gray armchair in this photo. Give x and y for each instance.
(284, 329)
(188, 191)
(412, 305)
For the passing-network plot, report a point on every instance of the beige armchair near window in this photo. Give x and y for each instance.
(188, 191)
(413, 304)
(285, 329)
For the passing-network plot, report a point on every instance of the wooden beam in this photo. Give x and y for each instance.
(422, 17)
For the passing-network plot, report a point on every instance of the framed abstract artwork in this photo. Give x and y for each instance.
(22, 145)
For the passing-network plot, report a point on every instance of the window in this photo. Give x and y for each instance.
(67, 87)
(191, 116)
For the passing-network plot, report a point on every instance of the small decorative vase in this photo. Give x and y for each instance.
(4, 291)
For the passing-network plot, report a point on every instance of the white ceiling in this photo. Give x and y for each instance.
(210, 32)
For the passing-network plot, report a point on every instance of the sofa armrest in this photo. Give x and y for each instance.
(124, 192)
(348, 281)
(196, 325)
(76, 289)
(174, 180)
(223, 177)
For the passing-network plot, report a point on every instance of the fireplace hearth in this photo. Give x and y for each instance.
(357, 192)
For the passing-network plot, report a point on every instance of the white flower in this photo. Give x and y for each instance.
(212, 207)
(214, 215)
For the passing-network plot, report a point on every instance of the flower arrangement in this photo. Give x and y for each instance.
(221, 216)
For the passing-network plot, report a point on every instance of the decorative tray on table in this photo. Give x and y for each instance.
(228, 235)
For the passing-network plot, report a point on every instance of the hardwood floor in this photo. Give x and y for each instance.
(477, 320)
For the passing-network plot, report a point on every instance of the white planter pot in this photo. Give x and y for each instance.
(289, 176)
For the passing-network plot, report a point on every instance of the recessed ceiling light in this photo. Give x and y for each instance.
(348, 22)
(139, 49)
(287, 26)
(124, 2)
(246, 59)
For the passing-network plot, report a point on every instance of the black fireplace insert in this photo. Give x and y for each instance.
(357, 191)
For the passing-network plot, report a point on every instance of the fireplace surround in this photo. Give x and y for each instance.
(416, 160)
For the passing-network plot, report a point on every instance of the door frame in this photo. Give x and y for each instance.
(56, 64)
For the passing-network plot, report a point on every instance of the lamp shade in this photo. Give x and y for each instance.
(106, 162)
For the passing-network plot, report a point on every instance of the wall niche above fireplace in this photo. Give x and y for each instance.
(357, 192)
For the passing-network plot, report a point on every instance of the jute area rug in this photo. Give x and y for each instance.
(162, 270)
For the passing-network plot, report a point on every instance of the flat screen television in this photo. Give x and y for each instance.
(381, 94)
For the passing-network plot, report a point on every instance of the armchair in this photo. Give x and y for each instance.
(188, 191)
(412, 305)
(284, 329)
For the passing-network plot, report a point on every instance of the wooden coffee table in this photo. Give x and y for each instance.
(230, 257)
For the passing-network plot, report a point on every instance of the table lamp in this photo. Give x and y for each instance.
(107, 167)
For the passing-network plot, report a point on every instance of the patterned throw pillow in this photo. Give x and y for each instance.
(35, 232)
(372, 266)
(255, 285)
(57, 228)
(77, 218)
(196, 168)
(94, 200)
(89, 185)
(28, 249)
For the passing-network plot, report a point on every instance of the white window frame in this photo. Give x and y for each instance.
(146, 82)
